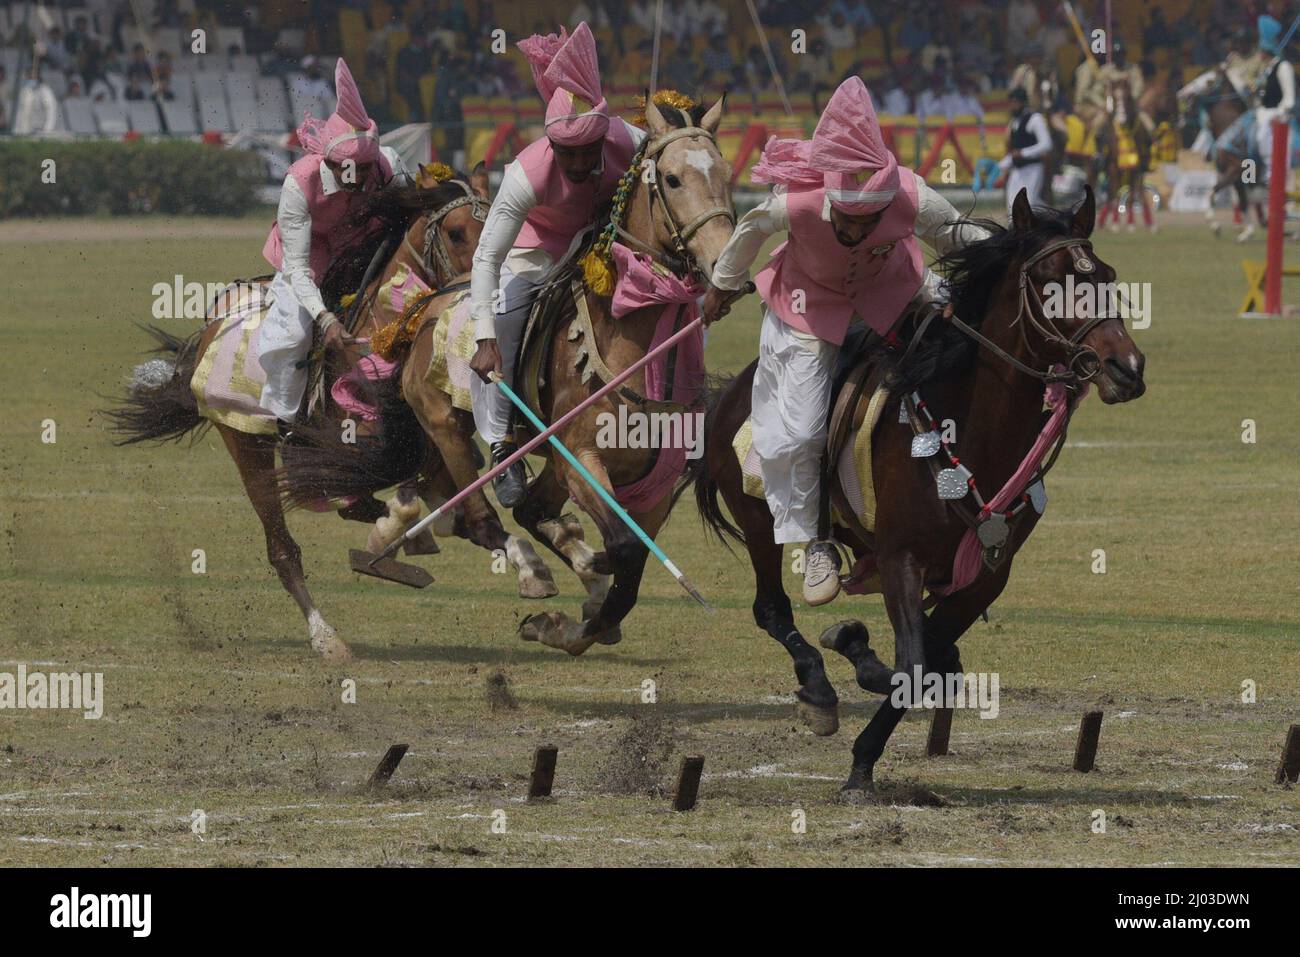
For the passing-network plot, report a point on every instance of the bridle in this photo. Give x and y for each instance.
(435, 259)
(683, 263)
(1081, 362)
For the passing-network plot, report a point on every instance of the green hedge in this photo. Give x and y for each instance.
(124, 177)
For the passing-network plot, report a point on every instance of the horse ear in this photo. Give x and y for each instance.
(1022, 216)
(478, 180)
(653, 118)
(712, 118)
(1085, 217)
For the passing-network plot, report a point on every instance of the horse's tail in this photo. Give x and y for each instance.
(330, 460)
(699, 475)
(158, 405)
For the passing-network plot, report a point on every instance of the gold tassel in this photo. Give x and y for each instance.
(348, 300)
(598, 273)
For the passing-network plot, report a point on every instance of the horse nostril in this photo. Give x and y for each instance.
(1120, 374)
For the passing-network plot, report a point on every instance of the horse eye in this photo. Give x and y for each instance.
(457, 236)
(673, 181)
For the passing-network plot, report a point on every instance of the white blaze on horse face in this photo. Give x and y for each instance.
(703, 161)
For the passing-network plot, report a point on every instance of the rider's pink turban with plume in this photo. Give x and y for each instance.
(349, 134)
(861, 174)
(567, 75)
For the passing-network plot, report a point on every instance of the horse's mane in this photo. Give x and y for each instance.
(971, 274)
(384, 214)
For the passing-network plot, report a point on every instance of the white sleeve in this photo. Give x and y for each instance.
(638, 135)
(1043, 144)
(294, 220)
(1286, 79)
(401, 174)
(514, 199)
(936, 224)
(764, 220)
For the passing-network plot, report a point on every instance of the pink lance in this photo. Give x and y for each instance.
(545, 435)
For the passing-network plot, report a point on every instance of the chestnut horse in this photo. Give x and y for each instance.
(676, 200)
(987, 374)
(435, 232)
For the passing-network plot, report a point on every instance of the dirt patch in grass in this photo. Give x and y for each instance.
(640, 756)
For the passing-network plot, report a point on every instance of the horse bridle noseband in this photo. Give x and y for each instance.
(1078, 356)
(435, 258)
(681, 235)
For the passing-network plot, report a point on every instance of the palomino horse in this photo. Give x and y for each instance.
(675, 204)
(439, 230)
(988, 376)
(1125, 145)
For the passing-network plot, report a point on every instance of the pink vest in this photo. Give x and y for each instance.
(328, 213)
(565, 208)
(874, 279)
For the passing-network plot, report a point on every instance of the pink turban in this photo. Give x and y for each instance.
(349, 134)
(568, 78)
(860, 173)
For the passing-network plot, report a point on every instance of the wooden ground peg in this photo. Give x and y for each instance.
(1085, 752)
(940, 730)
(543, 772)
(688, 783)
(1289, 769)
(387, 765)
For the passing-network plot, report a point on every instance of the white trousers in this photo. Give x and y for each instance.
(1025, 177)
(1264, 143)
(790, 403)
(284, 344)
(491, 407)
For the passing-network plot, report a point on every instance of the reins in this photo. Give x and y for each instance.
(1077, 354)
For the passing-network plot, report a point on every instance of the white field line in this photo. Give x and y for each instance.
(230, 672)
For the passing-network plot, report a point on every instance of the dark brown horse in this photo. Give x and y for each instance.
(988, 376)
(168, 411)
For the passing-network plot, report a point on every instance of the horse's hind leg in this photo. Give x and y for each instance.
(475, 519)
(402, 511)
(255, 458)
(817, 702)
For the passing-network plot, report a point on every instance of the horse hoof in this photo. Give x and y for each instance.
(422, 544)
(822, 722)
(329, 646)
(611, 637)
(858, 789)
(531, 628)
(536, 585)
(842, 635)
(856, 796)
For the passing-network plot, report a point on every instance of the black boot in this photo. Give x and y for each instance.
(512, 484)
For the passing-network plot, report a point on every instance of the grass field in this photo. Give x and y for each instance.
(214, 702)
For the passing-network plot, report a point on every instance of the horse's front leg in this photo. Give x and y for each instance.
(541, 514)
(624, 557)
(902, 579)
